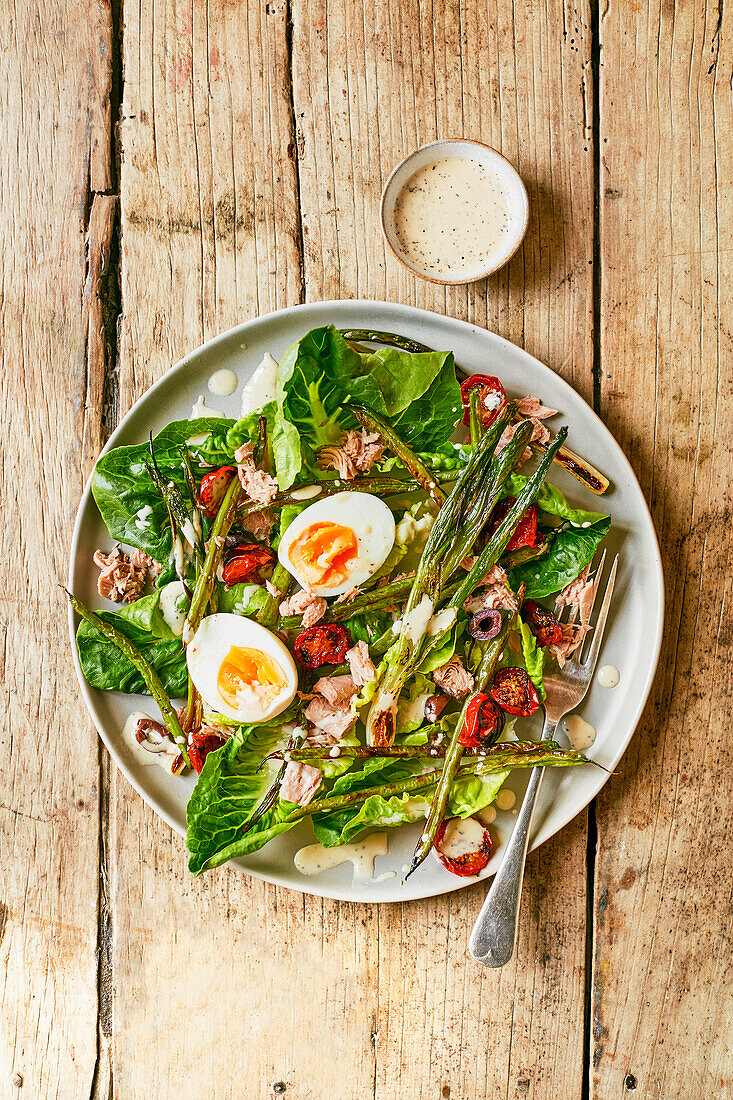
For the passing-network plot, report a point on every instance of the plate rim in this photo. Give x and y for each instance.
(544, 832)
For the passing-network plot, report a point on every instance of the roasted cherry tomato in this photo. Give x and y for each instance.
(463, 846)
(483, 723)
(525, 533)
(246, 562)
(213, 487)
(202, 743)
(492, 397)
(542, 623)
(514, 692)
(324, 644)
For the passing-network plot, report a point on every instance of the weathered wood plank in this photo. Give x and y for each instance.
(662, 964)
(211, 237)
(371, 82)
(263, 1014)
(56, 142)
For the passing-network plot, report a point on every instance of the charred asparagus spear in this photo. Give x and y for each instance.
(451, 538)
(542, 757)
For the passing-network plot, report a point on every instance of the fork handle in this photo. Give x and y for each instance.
(495, 932)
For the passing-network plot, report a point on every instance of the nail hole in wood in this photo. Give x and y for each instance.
(630, 1082)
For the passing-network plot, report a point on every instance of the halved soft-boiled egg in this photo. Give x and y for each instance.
(338, 543)
(240, 669)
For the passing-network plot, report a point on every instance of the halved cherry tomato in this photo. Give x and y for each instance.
(470, 862)
(246, 562)
(483, 723)
(525, 533)
(514, 692)
(492, 397)
(542, 623)
(324, 644)
(200, 746)
(213, 487)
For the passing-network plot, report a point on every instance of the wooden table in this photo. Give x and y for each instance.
(171, 169)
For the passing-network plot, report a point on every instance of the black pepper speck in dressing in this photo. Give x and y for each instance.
(452, 218)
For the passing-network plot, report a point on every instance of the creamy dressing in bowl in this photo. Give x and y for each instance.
(454, 211)
(452, 217)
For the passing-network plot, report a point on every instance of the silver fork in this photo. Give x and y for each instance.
(495, 932)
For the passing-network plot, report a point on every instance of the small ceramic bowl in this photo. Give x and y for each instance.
(490, 159)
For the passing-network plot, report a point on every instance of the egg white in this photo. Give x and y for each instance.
(366, 515)
(210, 646)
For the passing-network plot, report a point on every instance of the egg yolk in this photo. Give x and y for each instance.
(246, 675)
(324, 554)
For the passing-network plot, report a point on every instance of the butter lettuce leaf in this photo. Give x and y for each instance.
(103, 665)
(572, 549)
(534, 658)
(551, 501)
(320, 373)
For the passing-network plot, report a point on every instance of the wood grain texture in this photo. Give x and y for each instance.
(369, 986)
(54, 80)
(393, 78)
(210, 237)
(662, 960)
(255, 139)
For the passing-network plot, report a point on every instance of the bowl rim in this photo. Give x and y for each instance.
(485, 272)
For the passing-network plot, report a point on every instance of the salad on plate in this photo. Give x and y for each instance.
(339, 606)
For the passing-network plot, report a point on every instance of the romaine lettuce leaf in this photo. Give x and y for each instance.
(121, 486)
(319, 374)
(226, 794)
(473, 793)
(534, 658)
(429, 422)
(468, 796)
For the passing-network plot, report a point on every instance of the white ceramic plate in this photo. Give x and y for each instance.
(633, 634)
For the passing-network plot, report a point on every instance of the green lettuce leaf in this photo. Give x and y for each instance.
(446, 648)
(572, 549)
(429, 422)
(368, 626)
(473, 793)
(319, 374)
(242, 599)
(404, 377)
(468, 796)
(226, 794)
(534, 658)
(121, 486)
(335, 828)
(552, 501)
(106, 668)
(410, 715)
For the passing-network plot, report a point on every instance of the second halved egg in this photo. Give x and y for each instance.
(338, 543)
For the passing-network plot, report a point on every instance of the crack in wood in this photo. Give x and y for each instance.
(295, 146)
(102, 300)
(592, 826)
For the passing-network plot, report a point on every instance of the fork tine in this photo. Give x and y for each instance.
(560, 611)
(597, 577)
(589, 663)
